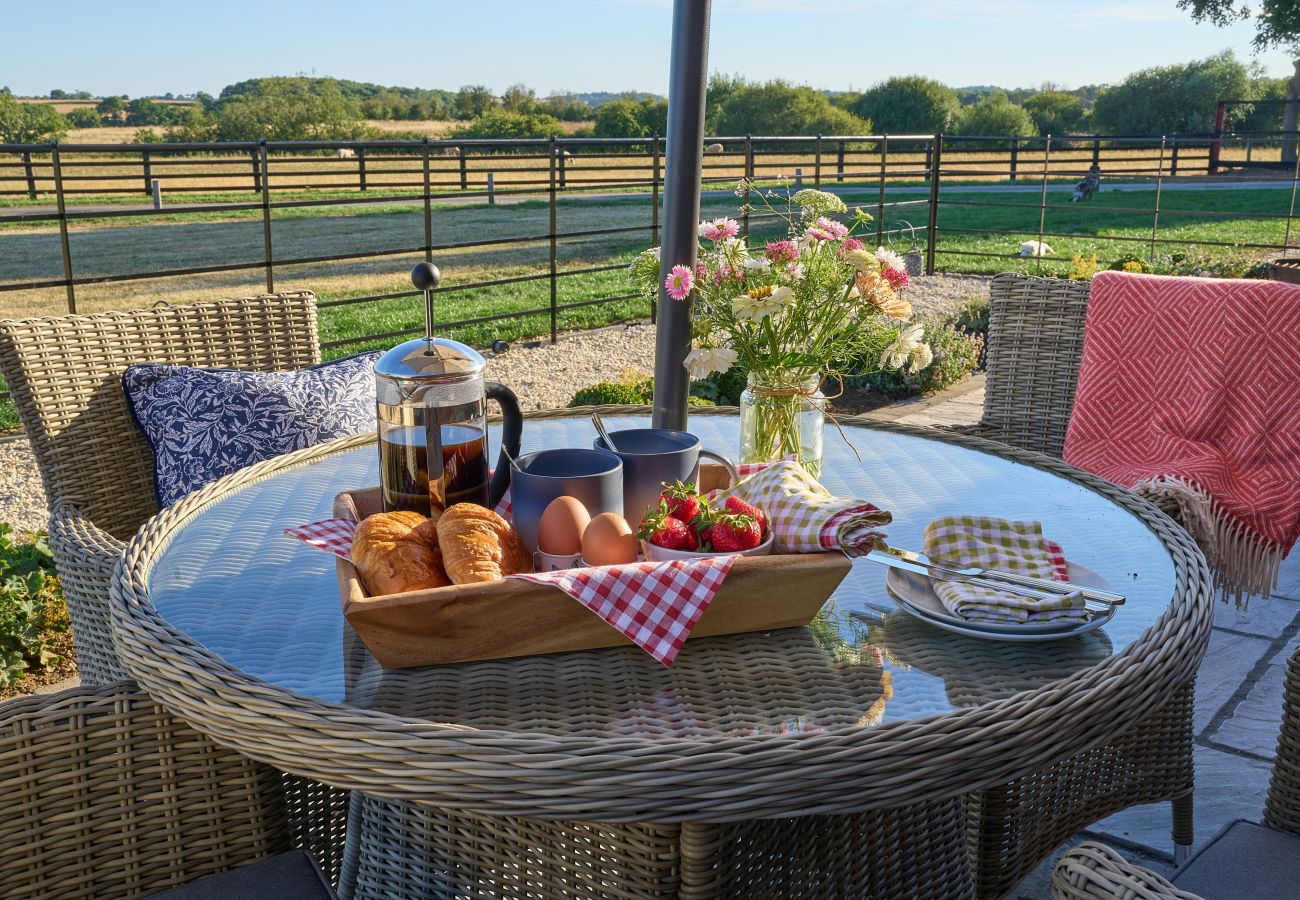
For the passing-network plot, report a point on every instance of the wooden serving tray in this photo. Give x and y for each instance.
(502, 619)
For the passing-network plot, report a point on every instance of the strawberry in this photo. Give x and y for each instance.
(682, 501)
(740, 507)
(734, 532)
(668, 532)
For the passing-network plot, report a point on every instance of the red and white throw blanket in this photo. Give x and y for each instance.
(1189, 391)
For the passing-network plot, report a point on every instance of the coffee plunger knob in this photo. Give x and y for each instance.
(426, 277)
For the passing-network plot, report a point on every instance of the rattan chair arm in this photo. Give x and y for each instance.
(1282, 807)
(1093, 871)
(72, 534)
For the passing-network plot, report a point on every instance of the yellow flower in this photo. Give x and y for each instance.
(873, 287)
(756, 303)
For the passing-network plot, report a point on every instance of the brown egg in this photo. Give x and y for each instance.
(561, 526)
(609, 541)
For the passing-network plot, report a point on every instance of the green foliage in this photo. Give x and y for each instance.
(721, 388)
(289, 109)
(83, 117)
(908, 105)
(607, 392)
(196, 127)
(112, 110)
(776, 107)
(957, 354)
(627, 117)
(501, 123)
(144, 111)
(472, 101)
(1055, 112)
(1277, 22)
(567, 108)
(1179, 99)
(1265, 117)
(28, 123)
(32, 612)
(972, 316)
(995, 115)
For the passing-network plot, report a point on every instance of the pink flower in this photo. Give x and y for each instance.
(836, 230)
(851, 244)
(782, 251)
(720, 229)
(701, 272)
(679, 282)
(817, 233)
(725, 271)
(897, 278)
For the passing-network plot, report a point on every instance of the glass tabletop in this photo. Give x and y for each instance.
(270, 606)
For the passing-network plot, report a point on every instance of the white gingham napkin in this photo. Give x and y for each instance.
(1011, 546)
(804, 516)
(653, 604)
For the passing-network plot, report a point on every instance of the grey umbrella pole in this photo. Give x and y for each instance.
(688, 76)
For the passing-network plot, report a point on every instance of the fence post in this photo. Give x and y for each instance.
(148, 175)
(1247, 151)
(1042, 205)
(492, 190)
(554, 285)
(749, 157)
(1096, 152)
(1290, 213)
(1155, 213)
(817, 163)
(880, 198)
(361, 167)
(156, 190)
(560, 167)
(63, 227)
(1015, 155)
(257, 170)
(428, 206)
(1216, 144)
(929, 160)
(934, 153)
(839, 161)
(266, 217)
(464, 172)
(798, 179)
(31, 176)
(654, 220)
(1173, 156)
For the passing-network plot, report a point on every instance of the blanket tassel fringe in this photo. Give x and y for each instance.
(1242, 563)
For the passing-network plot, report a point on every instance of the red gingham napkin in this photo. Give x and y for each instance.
(653, 604)
(334, 535)
(1057, 556)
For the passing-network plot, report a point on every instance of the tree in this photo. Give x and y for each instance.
(1277, 22)
(57, 94)
(501, 123)
(909, 105)
(1265, 116)
(996, 116)
(568, 108)
(473, 101)
(520, 99)
(1178, 99)
(1055, 112)
(28, 123)
(83, 117)
(112, 110)
(780, 108)
(719, 91)
(620, 119)
(290, 109)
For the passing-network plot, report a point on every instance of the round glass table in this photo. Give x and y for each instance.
(239, 630)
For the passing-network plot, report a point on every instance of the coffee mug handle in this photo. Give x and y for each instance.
(722, 461)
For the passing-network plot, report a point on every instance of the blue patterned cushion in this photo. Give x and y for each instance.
(205, 423)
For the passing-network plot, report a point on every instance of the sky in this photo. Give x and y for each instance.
(140, 48)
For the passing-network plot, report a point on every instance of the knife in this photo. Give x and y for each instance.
(942, 573)
(1056, 587)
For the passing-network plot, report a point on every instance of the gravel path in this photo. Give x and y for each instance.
(544, 376)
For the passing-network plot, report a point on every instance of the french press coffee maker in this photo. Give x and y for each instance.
(431, 400)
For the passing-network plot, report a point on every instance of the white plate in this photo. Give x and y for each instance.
(913, 593)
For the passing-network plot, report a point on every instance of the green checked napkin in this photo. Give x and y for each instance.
(1004, 544)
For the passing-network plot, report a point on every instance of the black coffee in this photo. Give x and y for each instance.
(460, 472)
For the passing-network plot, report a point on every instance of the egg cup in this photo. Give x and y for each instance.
(554, 562)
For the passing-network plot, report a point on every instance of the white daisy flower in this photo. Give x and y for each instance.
(704, 360)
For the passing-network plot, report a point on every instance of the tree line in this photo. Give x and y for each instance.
(1176, 99)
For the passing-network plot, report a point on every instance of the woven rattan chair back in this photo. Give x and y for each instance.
(65, 376)
(1034, 347)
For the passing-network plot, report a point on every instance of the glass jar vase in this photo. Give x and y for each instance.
(782, 414)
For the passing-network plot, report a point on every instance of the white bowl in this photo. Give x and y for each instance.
(655, 553)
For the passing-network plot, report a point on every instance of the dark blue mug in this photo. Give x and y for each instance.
(592, 477)
(653, 456)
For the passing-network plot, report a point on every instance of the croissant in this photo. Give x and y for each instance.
(478, 545)
(398, 551)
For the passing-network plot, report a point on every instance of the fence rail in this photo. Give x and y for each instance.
(896, 177)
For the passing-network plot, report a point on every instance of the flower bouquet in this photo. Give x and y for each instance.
(814, 304)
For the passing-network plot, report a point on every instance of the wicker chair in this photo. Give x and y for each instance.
(1243, 860)
(1035, 345)
(106, 795)
(65, 375)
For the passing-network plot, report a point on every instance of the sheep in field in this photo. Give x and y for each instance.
(345, 153)
(713, 148)
(1035, 249)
